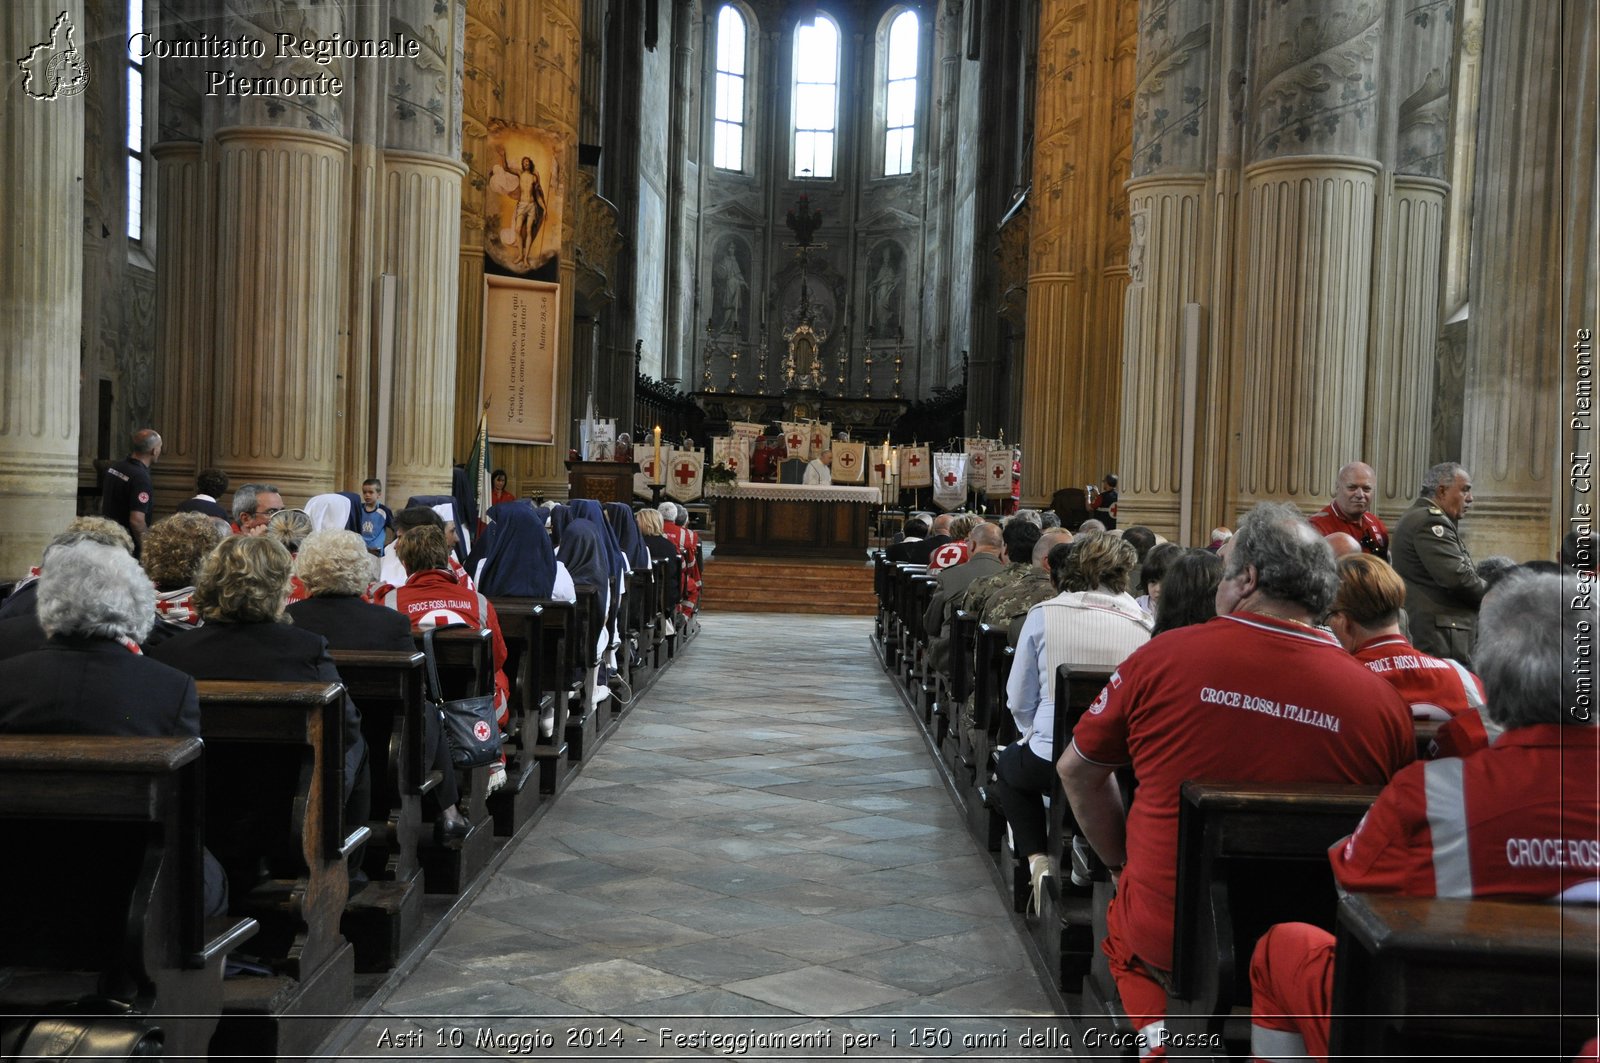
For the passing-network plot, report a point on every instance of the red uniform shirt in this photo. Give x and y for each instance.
(1517, 820)
(1436, 689)
(435, 598)
(687, 543)
(1240, 698)
(1366, 529)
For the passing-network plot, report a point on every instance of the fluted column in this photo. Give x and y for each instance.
(1074, 302)
(185, 414)
(41, 163)
(279, 307)
(1516, 347)
(421, 241)
(1308, 198)
(1410, 240)
(422, 238)
(1170, 237)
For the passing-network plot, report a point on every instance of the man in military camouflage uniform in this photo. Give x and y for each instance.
(1443, 587)
(1008, 606)
(1020, 537)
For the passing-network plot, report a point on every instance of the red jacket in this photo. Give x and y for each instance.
(436, 598)
(1519, 820)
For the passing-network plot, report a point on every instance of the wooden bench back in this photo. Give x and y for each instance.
(275, 785)
(388, 687)
(963, 642)
(1250, 855)
(465, 659)
(991, 669)
(1463, 979)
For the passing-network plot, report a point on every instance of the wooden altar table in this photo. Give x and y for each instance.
(793, 520)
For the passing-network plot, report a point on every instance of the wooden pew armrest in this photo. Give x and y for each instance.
(354, 840)
(429, 781)
(223, 934)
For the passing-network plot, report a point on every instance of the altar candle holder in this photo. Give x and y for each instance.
(844, 367)
(897, 363)
(705, 381)
(866, 364)
(733, 371)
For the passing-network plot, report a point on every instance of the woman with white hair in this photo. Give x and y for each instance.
(96, 605)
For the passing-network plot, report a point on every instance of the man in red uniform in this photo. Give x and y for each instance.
(1519, 820)
(1351, 510)
(1257, 694)
(433, 597)
(676, 529)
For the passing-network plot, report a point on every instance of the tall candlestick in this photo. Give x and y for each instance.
(659, 478)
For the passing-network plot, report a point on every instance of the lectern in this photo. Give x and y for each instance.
(603, 481)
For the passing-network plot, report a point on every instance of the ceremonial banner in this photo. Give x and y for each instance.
(520, 319)
(821, 438)
(949, 480)
(916, 467)
(733, 452)
(849, 463)
(684, 473)
(749, 431)
(997, 484)
(977, 462)
(797, 438)
(647, 470)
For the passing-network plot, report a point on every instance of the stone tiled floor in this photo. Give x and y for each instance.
(764, 844)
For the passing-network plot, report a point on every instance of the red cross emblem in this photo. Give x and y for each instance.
(795, 441)
(914, 459)
(950, 479)
(847, 460)
(684, 471)
(999, 471)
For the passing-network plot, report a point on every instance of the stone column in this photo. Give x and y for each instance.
(1410, 239)
(184, 414)
(1309, 187)
(484, 90)
(421, 241)
(1072, 391)
(41, 163)
(1516, 349)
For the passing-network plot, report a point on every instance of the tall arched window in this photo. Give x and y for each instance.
(900, 94)
(727, 131)
(816, 97)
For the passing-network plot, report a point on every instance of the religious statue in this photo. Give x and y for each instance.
(883, 288)
(732, 285)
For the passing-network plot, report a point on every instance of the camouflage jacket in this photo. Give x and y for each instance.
(1008, 603)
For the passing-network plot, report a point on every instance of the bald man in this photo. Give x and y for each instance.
(1351, 510)
(1343, 544)
(986, 546)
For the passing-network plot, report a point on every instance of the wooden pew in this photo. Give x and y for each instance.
(582, 729)
(920, 678)
(104, 886)
(1249, 855)
(633, 658)
(1065, 925)
(992, 727)
(387, 686)
(881, 568)
(465, 659)
(1462, 979)
(522, 627)
(963, 646)
(671, 591)
(561, 679)
(275, 783)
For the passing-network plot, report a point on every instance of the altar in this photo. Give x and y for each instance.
(793, 520)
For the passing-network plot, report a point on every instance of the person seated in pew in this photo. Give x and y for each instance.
(290, 527)
(1095, 628)
(914, 531)
(1018, 538)
(392, 573)
(652, 533)
(984, 542)
(513, 557)
(96, 605)
(1152, 569)
(619, 517)
(241, 593)
(433, 597)
(1258, 694)
(172, 553)
(1365, 617)
(1008, 607)
(337, 569)
(1516, 821)
(1188, 590)
(676, 529)
(22, 600)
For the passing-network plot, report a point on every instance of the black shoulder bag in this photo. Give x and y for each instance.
(469, 723)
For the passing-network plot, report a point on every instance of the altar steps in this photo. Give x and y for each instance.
(771, 585)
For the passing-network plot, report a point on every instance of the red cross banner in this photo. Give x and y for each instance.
(949, 480)
(797, 438)
(850, 463)
(916, 467)
(977, 462)
(821, 438)
(997, 473)
(734, 452)
(646, 475)
(684, 472)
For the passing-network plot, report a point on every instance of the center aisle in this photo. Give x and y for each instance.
(765, 840)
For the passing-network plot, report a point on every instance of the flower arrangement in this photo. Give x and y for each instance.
(720, 474)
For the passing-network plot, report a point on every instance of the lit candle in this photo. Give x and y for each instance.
(658, 477)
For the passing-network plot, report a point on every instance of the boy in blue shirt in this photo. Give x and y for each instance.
(376, 518)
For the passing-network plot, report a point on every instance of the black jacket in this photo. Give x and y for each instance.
(349, 623)
(95, 686)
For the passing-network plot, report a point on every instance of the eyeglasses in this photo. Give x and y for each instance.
(266, 513)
